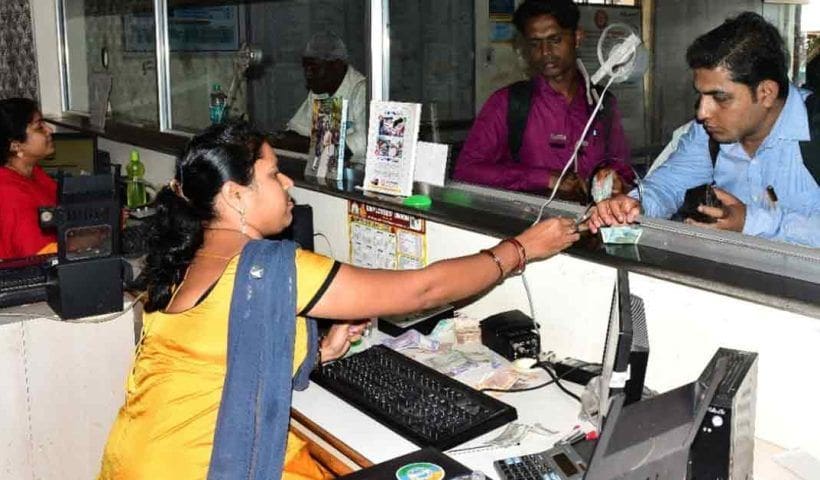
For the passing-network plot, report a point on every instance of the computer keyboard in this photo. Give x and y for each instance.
(526, 467)
(422, 405)
(24, 280)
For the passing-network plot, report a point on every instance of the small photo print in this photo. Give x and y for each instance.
(392, 125)
(389, 147)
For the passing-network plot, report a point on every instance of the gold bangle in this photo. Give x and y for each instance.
(497, 261)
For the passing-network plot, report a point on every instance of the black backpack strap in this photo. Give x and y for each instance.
(714, 149)
(518, 109)
(811, 150)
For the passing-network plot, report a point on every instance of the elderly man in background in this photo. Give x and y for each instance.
(328, 74)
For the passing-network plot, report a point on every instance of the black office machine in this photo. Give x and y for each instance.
(511, 334)
(88, 277)
(562, 462)
(24, 280)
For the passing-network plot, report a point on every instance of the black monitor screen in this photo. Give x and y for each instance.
(74, 154)
(615, 364)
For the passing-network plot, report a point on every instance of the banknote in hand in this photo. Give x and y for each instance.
(621, 234)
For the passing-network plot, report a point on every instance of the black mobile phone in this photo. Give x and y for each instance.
(695, 197)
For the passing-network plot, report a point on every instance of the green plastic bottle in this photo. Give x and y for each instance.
(135, 191)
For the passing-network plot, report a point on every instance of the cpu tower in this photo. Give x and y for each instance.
(724, 446)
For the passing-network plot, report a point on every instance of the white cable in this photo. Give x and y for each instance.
(575, 152)
(327, 240)
(530, 301)
(558, 183)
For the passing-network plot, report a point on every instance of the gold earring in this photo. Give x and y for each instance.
(243, 224)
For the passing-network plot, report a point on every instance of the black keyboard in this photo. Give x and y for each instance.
(24, 280)
(424, 406)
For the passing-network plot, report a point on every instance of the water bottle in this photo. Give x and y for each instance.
(135, 190)
(218, 99)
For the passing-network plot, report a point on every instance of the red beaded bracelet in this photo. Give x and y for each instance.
(522, 254)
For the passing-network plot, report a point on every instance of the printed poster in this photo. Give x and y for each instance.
(327, 138)
(190, 29)
(382, 238)
(391, 147)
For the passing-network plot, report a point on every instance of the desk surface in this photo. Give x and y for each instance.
(26, 312)
(548, 406)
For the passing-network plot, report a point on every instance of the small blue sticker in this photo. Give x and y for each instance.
(420, 471)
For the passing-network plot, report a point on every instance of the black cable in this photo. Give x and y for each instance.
(545, 366)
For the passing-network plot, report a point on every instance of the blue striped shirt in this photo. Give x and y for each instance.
(778, 163)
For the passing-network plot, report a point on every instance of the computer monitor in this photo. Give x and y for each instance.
(74, 153)
(626, 348)
(652, 438)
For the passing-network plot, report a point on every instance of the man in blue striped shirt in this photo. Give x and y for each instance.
(747, 106)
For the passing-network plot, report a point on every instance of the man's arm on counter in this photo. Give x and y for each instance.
(689, 166)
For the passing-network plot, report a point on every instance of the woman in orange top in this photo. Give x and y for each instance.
(25, 139)
(228, 190)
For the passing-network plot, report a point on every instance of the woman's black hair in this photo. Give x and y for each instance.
(15, 115)
(219, 154)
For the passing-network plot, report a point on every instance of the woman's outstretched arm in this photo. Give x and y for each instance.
(357, 293)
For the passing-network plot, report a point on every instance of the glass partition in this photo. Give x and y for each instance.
(432, 62)
(104, 38)
(449, 56)
(249, 56)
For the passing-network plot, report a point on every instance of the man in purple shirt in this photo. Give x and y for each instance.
(561, 101)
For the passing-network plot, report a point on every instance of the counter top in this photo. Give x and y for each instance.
(770, 273)
(777, 274)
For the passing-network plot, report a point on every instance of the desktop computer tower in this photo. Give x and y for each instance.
(724, 446)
